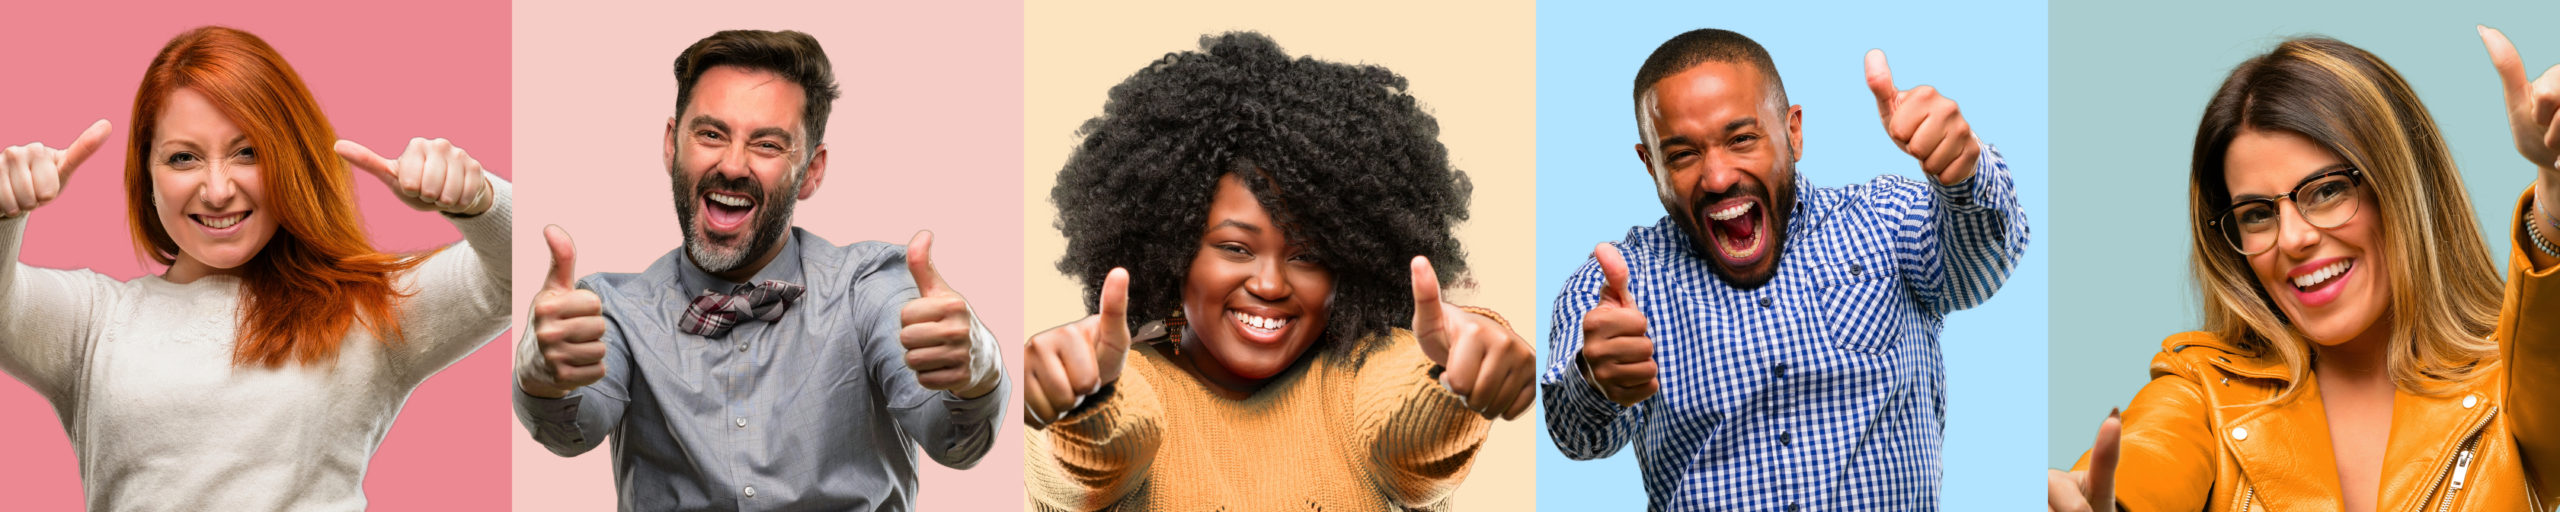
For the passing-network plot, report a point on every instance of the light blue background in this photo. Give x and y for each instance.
(1988, 56)
(2130, 80)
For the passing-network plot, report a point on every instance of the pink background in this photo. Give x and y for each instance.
(383, 74)
(927, 136)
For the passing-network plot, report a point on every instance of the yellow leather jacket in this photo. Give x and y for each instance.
(2192, 440)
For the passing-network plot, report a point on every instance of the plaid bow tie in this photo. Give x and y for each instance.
(712, 313)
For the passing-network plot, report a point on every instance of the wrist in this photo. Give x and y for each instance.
(481, 200)
(541, 390)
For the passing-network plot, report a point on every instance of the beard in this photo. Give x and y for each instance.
(714, 255)
(1777, 200)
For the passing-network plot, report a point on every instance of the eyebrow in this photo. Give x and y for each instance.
(703, 121)
(778, 133)
(1238, 225)
(236, 141)
(2306, 180)
(1738, 124)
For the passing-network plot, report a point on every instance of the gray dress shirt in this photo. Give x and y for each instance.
(815, 411)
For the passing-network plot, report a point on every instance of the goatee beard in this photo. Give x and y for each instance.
(772, 220)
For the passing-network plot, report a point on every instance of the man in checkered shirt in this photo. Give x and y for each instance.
(1805, 373)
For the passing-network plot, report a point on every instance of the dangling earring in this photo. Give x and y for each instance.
(1173, 330)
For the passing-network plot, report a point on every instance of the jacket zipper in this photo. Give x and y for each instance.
(2460, 469)
(2248, 494)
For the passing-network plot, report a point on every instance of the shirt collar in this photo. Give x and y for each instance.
(784, 267)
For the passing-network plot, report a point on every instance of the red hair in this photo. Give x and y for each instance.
(319, 274)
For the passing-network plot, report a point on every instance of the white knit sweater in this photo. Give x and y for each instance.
(140, 372)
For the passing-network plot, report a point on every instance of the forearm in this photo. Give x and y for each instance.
(1982, 232)
(45, 316)
(1424, 437)
(1096, 455)
(1584, 424)
(2529, 342)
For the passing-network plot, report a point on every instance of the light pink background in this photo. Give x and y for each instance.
(383, 73)
(927, 136)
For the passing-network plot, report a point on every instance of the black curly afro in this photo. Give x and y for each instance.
(1340, 154)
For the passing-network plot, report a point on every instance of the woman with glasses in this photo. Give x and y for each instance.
(2358, 351)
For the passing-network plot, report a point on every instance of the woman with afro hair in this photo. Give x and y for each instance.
(1261, 242)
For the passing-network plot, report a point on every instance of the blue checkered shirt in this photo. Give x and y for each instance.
(1822, 390)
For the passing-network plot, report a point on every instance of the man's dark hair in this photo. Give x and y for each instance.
(1701, 46)
(793, 55)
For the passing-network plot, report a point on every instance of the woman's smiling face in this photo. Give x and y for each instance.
(1254, 299)
(2329, 282)
(205, 183)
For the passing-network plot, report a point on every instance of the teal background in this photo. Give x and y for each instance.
(1988, 56)
(2130, 80)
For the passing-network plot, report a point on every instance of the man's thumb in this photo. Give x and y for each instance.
(1613, 274)
(920, 263)
(1880, 81)
(564, 258)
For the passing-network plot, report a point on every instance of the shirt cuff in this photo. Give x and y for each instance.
(1967, 193)
(1582, 396)
(554, 421)
(986, 357)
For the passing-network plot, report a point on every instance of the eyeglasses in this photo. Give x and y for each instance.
(2325, 200)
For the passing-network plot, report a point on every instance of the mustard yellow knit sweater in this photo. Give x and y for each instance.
(1339, 433)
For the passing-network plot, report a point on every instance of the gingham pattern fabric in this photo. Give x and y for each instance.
(1822, 390)
(712, 313)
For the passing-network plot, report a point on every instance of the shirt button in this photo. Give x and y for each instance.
(1786, 439)
(742, 423)
(2239, 433)
(1779, 370)
(742, 346)
(1791, 507)
(750, 491)
(1854, 269)
(1765, 302)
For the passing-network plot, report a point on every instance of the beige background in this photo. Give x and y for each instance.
(1472, 65)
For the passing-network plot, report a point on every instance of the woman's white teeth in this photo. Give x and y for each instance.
(1258, 322)
(2323, 275)
(730, 200)
(1730, 212)
(222, 221)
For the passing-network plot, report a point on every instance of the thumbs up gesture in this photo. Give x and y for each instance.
(935, 328)
(1616, 355)
(1482, 361)
(2093, 490)
(2533, 111)
(2531, 104)
(1071, 361)
(568, 325)
(1926, 125)
(32, 175)
(431, 175)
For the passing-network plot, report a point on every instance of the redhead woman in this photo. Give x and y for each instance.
(2360, 351)
(1261, 241)
(263, 367)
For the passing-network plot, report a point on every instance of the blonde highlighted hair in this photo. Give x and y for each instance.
(2444, 288)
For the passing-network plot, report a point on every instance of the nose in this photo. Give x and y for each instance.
(1271, 282)
(1724, 170)
(733, 162)
(219, 190)
(2294, 233)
